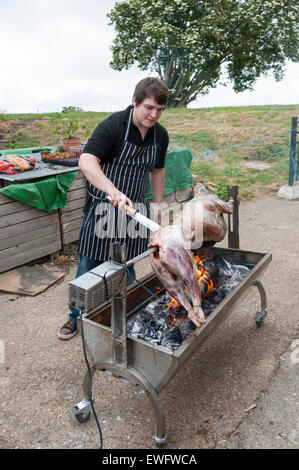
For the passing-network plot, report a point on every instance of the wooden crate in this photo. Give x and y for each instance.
(71, 214)
(26, 233)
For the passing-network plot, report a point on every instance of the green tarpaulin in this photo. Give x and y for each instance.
(47, 194)
(26, 150)
(50, 193)
(177, 170)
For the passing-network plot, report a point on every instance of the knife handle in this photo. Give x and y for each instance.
(127, 208)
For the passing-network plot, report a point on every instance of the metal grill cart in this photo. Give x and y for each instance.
(148, 365)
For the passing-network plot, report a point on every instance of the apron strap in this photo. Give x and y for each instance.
(96, 197)
(128, 125)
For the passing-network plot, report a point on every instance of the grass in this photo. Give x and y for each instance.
(21, 140)
(199, 130)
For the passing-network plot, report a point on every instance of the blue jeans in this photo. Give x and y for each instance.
(85, 265)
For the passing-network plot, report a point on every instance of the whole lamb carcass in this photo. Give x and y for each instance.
(201, 221)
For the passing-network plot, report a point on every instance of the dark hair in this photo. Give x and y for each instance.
(151, 86)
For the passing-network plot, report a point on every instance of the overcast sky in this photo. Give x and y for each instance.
(56, 53)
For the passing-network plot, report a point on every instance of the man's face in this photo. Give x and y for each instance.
(147, 113)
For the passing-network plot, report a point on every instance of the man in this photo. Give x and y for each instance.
(120, 154)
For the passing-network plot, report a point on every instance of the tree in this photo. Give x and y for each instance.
(192, 44)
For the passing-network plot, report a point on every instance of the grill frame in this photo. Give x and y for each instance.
(149, 365)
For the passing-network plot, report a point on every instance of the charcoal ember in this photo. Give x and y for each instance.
(243, 270)
(212, 267)
(164, 298)
(187, 327)
(172, 337)
(135, 328)
(151, 332)
(160, 309)
(169, 327)
(139, 324)
(144, 316)
(223, 265)
(207, 307)
(191, 326)
(161, 317)
(224, 291)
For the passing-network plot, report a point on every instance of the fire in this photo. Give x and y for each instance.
(173, 303)
(203, 276)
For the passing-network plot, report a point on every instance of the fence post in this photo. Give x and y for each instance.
(293, 151)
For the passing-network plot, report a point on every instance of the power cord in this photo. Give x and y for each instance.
(88, 367)
(90, 381)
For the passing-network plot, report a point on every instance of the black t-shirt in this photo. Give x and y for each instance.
(108, 137)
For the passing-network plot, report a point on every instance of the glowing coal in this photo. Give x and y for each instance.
(165, 323)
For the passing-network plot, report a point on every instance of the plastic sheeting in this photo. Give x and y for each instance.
(177, 170)
(26, 150)
(46, 194)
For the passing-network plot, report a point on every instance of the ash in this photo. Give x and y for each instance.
(157, 324)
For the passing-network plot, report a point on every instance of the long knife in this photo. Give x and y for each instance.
(135, 214)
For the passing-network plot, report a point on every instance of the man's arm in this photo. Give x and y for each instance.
(157, 181)
(91, 168)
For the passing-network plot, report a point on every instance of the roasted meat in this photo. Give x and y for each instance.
(200, 221)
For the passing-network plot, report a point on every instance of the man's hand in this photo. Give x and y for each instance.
(91, 168)
(119, 199)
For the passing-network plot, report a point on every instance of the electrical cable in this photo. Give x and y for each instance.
(90, 381)
(86, 359)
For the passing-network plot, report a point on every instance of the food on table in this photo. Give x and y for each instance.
(15, 163)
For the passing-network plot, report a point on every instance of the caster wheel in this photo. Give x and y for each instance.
(159, 441)
(83, 417)
(260, 317)
(81, 412)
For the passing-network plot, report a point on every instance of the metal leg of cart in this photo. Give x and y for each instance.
(81, 411)
(262, 312)
(119, 365)
(135, 378)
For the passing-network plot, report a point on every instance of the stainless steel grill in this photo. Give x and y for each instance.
(148, 365)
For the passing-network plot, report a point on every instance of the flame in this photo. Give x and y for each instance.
(173, 303)
(202, 275)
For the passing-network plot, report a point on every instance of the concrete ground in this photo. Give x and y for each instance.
(238, 391)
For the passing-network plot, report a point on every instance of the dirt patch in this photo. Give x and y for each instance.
(24, 132)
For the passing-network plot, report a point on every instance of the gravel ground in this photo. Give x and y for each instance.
(206, 402)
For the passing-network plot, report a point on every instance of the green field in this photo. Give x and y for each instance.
(258, 168)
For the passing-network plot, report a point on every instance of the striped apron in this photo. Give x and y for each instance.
(105, 224)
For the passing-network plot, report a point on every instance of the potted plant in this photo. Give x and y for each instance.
(67, 128)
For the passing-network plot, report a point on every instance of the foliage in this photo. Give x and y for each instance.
(21, 140)
(200, 130)
(66, 125)
(192, 44)
(74, 108)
